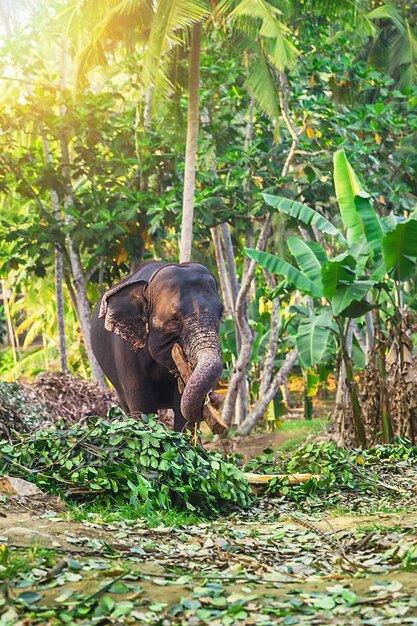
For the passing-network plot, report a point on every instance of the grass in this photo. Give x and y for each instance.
(14, 562)
(106, 514)
(299, 430)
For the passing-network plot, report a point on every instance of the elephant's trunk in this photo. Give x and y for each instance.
(202, 349)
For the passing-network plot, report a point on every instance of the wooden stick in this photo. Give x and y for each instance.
(293, 479)
(210, 413)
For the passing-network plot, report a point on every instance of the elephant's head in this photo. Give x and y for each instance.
(179, 304)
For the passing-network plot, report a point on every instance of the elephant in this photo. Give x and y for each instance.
(135, 326)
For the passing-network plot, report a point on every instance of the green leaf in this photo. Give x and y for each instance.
(122, 608)
(312, 338)
(106, 605)
(349, 597)
(303, 213)
(399, 250)
(276, 265)
(347, 187)
(262, 86)
(307, 260)
(29, 597)
(388, 12)
(326, 603)
(339, 269)
(346, 295)
(371, 226)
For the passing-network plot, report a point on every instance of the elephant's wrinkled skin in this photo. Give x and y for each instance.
(135, 326)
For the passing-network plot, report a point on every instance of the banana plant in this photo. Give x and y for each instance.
(375, 253)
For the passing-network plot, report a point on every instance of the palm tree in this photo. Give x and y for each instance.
(166, 24)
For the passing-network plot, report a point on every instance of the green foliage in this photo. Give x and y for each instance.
(340, 470)
(126, 460)
(6, 360)
(303, 213)
(399, 249)
(312, 338)
(375, 248)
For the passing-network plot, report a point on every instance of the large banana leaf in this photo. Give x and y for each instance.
(276, 265)
(347, 186)
(312, 337)
(339, 269)
(360, 251)
(399, 250)
(307, 260)
(303, 213)
(349, 299)
(371, 226)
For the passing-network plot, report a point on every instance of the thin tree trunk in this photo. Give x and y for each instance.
(259, 408)
(370, 335)
(271, 351)
(242, 396)
(245, 330)
(230, 260)
(225, 286)
(9, 321)
(80, 287)
(286, 395)
(241, 403)
(147, 110)
(59, 287)
(191, 147)
(59, 293)
(240, 369)
(346, 350)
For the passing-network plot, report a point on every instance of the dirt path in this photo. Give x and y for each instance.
(250, 447)
(232, 571)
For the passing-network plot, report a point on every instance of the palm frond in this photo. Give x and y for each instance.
(172, 18)
(261, 85)
(260, 19)
(395, 47)
(120, 17)
(388, 12)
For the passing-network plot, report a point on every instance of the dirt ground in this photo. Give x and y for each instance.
(240, 570)
(249, 447)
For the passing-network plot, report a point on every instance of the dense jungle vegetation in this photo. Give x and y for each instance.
(274, 142)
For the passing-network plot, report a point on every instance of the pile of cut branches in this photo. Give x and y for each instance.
(18, 414)
(127, 460)
(340, 473)
(69, 397)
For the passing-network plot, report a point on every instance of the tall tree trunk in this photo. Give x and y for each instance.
(80, 287)
(351, 384)
(147, 110)
(225, 286)
(59, 294)
(240, 369)
(370, 334)
(230, 260)
(191, 147)
(59, 273)
(9, 322)
(241, 402)
(241, 408)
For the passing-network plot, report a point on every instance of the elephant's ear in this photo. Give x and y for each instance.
(124, 309)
